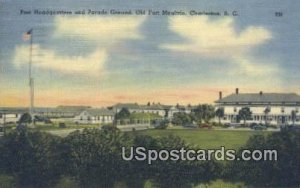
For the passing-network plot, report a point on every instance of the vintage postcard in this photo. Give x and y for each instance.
(149, 94)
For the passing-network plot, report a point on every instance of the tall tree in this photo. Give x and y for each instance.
(123, 114)
(204, 112)
(181, 118)
(220, 114)
(245, 114)
(25, 118)
(294, 116)
(266, 112)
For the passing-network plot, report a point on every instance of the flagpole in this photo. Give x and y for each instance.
(31, 82)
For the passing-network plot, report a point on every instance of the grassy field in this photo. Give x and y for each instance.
(203, 138)
(207, 139)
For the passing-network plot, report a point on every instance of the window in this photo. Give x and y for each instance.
(234, 109)
(282, 109)
(16, 115)
(1, 116)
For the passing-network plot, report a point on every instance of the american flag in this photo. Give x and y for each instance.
(27, 35)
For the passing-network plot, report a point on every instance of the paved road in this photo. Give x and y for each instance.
(137, 127)
(127, 128)
(245, 129)
(123, 128)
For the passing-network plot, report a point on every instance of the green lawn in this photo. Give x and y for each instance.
(207, 139)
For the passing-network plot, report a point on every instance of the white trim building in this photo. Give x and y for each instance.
(166, 111)
(280, 107)
(95, 116)
(11, 115)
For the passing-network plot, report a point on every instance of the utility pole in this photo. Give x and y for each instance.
(31, 80)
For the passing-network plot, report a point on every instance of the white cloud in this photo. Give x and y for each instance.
(215, 38)
(48, 59)
(253, 67)
(109, 28)
(219, 39)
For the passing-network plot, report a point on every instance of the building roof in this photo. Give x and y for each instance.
(127, 105)
(152, 107)
(41, 110)
(13, 110)
(99, 112)
(261, 98)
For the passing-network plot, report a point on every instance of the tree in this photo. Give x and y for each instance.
(181, 118)
(163, 124)
(166, 173)
(294, 116)
(25, 118)
(245, 114)
(283, 172)
(220, 114)
(266, 112)
(94, 157)
(123, 114)
(31, 157)
(204, 112)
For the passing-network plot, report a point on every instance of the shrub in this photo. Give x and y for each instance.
(281, 173)
(163, 124)
(7, 181)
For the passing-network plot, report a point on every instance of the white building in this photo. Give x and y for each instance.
(280, 107)
(154, 109)
(136, 108)
(95, 116)
(11, 115)
(166, 111)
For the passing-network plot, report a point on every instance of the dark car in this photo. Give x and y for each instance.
(259, 127)
(190, 125)
(253, 125)
(62, 125)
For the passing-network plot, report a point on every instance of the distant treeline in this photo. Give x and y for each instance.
(92, 158)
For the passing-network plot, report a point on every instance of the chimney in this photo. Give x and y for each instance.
(237, 91)
(220, 95)
(260, 93)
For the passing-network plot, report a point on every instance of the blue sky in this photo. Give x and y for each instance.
(101, 60)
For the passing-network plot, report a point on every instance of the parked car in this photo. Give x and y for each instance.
(259, 127)
(190, 125)
(42, 119)
(235, 125)
(205, 126)
(62, 125)
(253, 125)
